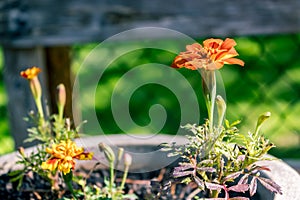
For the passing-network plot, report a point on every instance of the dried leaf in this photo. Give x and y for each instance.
(239, 188)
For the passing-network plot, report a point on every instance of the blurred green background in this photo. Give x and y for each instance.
(270, 81)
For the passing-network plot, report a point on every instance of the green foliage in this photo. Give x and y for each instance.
(272, 82)
(30, 163)
(112, 191)
(222, 163)
(219, 157)
(57, 151)
(49, 132)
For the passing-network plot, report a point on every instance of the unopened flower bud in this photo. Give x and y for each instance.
(108, 152)
(61, 95)
(21, 151)
(221, 106)
(120, 153)
(61, 100)
(263, 118)
(127, 159)
(260, 121)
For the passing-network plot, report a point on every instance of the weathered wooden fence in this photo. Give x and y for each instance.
(35, 32)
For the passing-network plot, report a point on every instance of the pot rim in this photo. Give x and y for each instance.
(281, 172)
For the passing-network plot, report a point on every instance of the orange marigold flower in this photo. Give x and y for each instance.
(30, 73)
(63, 155)
(213, 55)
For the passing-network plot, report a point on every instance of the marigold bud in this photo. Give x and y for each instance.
(30, 73)
(221, 106)
(120, 153)
(127, 159)
(108, 152)
(21, 151)
(61, 95)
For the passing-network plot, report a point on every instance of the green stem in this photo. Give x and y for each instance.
(209, 91)
(124, 177)
(39, 106)
(60, 113)
(68, 180)
(119, 157)
(214, 194)
(111, 167)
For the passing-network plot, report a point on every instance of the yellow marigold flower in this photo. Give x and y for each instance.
(35, 86)
(30, 73)
(213, 55)
(63, 155)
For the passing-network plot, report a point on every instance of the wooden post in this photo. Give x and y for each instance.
(20, 100)
(58, 62)
(55, 63)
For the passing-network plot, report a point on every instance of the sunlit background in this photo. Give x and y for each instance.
(268, 82)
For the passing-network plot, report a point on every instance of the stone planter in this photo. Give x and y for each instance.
(147, 157)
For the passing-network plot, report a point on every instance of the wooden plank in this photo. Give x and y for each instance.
(58, 64)
(20, 100)
(56, 22)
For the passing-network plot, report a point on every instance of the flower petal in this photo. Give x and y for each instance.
(228, 43)
(234, 61)
(50, 164)
(30, 73)
(63, 155)
(213, 55)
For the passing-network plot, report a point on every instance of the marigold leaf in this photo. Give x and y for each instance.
(16, 178)
(227, 123)
(232, 176)
(244, 179)
(199, 182)
(173, 154)
(16, 172)
(264, 168)
(178, 174)
(213, 186)
(270, 185)
(187, 180)
(239, 198)
(183, 166)
(253, 186)
(206, 169)
(235, 123)
(239, 188)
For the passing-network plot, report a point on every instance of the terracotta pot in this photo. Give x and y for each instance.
(147, 157)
